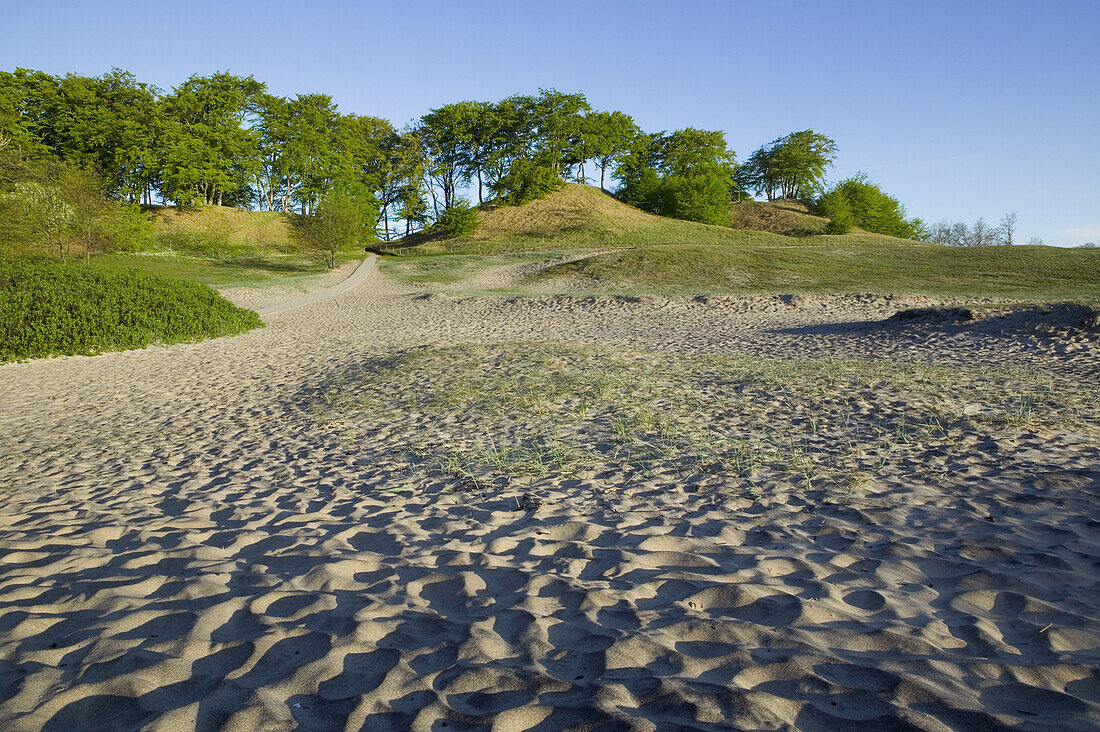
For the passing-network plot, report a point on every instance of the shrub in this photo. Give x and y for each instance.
(526, 181)
(459, 220)
(835, 206)
(49, 309)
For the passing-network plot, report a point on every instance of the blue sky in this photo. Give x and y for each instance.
(959, 109)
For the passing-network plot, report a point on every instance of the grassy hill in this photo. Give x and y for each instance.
(789, 218)
(222, 231)
(584, 217)
(222, 246)
(661, 255)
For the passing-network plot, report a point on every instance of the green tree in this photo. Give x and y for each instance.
(608, 136)
(526, 181)
(871, 209)
(459, 220)
(337, 223)
(792, 166)
(209, 152)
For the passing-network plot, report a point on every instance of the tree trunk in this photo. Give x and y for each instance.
(603, 169)
(480, 200)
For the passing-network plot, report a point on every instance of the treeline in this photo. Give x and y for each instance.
(226, 140)
(980, 234)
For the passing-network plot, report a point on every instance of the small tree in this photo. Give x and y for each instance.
(459, 220)
(526, 181)
(1007, 229)
(337, 223)
(981, 234)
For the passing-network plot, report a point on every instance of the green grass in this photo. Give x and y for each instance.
(667, 256)
(451, 268)
(1028, 273)
(50, 309)
(219, 273)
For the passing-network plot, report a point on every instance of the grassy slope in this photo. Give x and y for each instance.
(221, 246)
(671, 256)
(1029, 273)
(223, 231)
(49, 309)
(789, 218)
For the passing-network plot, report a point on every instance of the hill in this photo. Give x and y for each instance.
(580, 216)
(789, 218)
(222, 231)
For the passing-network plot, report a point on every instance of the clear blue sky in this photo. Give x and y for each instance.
(959, 109)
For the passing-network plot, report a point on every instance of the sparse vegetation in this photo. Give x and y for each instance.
(519, 412)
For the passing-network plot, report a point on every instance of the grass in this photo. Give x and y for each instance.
(222, 232)
(49, 309)
(450, 268)
(789, 218)
(485, 415)
(219, 273)
(666, 256)
(1028, 273)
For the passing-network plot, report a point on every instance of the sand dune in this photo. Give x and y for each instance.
(206, 536)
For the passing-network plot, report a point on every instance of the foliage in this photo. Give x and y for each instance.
(459, 220)
(704, 198)
(339, 222)
(526, 181)
(792, 166)
(870, 208)
(686, 175)
(835, 207)
(58, 209)
(49, 309)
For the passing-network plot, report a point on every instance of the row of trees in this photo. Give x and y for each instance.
(980, 234)
(226, 140)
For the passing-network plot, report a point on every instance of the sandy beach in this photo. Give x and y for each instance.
(749, 512)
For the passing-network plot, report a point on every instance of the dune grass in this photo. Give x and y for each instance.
(222, 232)
(522, 412)
(50, 309)
(789, 218)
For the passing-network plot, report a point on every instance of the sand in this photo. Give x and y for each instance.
(236, 534)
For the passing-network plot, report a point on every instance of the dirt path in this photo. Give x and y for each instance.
(357, 277)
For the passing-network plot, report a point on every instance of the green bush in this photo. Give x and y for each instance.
(51, 309)
(459, 220)
(526, 181)
(835, 206)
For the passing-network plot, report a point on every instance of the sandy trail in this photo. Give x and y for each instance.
(186, 543)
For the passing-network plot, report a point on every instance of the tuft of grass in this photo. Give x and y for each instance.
(49, 309)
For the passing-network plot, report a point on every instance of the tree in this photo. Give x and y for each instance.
(793, 166)
(338, 222)
(607, 136)
(1007, 229)
(981, 234)
(871, 209)
(209, 154)
(459, 220)
(834, 205)
(686, 174)
(526, 181)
